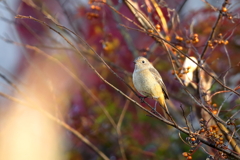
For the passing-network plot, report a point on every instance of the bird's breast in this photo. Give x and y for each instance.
(144, 82)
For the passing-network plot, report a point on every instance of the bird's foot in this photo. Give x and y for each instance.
(142, 98)
(154, 110)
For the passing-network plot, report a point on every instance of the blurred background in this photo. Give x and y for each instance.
(55, 89)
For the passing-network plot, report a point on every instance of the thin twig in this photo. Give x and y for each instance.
(212, 34)
(119, 124)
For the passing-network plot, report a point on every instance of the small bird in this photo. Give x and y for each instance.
(148, 82)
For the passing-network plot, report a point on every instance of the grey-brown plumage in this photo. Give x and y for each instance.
(160, 81)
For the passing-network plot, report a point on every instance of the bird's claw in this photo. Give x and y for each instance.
(154, 110)
(142, 98)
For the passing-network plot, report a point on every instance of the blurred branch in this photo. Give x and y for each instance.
(229, 63)
(125, 16)
(23, 23)
(181, 6)
(9, 82)
(70, 21)
(133, 6)
(125, 35)
(43, 11)
(112, 64)
(119, 124)
(183, 113)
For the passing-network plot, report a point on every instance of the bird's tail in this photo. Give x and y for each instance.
(164, 106)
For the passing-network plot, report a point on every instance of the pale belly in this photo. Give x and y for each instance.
(146, 84)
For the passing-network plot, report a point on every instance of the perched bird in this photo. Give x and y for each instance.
(148, 82)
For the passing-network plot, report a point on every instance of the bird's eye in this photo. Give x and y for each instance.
(143, 61)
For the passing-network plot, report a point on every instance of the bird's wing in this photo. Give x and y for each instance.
(158, 77)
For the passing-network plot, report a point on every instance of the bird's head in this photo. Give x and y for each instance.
(142, 63)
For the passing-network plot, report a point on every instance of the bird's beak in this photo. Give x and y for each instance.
(134, 62)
